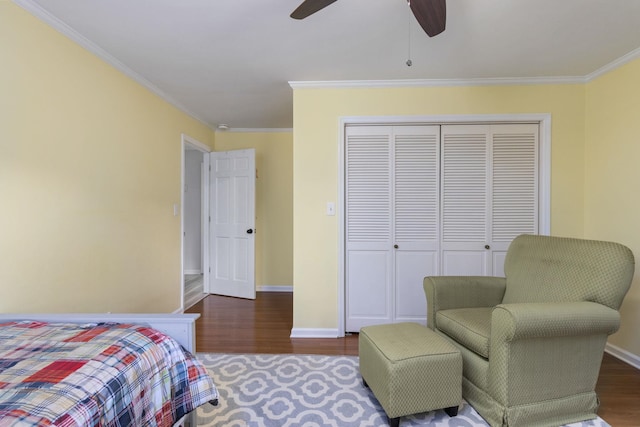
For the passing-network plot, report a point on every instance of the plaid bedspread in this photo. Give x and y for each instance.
(96, 375)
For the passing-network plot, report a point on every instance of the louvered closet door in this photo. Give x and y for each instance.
(514, 189)
(489, 194)
(391, 222)
(415, 219)
(368, 215)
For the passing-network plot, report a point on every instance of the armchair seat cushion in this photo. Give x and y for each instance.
(470, 327)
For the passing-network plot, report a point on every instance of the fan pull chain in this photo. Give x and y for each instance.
(409, 62)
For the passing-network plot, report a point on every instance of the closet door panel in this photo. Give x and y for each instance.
(498, 263)
(369, 296)
(411, 269)
(368, 185)
(514, 182)
(465, 199)
(416, 186)
(464, 263)
(368, 226)
(514, 187)
(416, 217)
(464, 184)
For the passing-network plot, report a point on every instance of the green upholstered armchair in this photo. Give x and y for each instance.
(532, 342)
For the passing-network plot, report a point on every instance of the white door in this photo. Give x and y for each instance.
(415, 217)
(464, 207)
(489, 194)
(232, 248)
(391, 222)
(368, 214)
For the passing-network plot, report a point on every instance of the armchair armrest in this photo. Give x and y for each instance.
(549, 350)
(445, 292)
(511, 322)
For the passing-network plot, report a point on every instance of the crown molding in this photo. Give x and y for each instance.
(498, 81)
(256, 130)
(42, 14)
(631, 56)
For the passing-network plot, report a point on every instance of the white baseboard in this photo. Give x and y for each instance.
(192, 271)
(313, 333)
(623, 355)
(274, 288)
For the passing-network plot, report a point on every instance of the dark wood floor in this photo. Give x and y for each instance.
(232, 325)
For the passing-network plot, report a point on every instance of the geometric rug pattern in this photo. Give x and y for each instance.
(267, 390)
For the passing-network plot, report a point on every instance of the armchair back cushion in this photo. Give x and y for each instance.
(561, 269)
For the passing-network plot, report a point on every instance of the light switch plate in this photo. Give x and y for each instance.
(331, 208)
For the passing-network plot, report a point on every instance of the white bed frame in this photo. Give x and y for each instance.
(181, 327)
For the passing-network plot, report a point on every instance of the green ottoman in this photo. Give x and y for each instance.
(410, 369)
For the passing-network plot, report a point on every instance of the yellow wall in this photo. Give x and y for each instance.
(274, 201)
(89, 173)
(612, 177)
(316, 137)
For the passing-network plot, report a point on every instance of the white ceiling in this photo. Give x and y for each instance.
(230, 61)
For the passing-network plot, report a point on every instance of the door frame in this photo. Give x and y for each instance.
(544, 201)
(188, 142)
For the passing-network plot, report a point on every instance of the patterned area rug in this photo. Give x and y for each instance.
(295, 390)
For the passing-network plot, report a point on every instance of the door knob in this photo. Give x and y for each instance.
(487, 247)
(395, 246)
(250, 231)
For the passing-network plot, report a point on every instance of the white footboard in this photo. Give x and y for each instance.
(181, 327)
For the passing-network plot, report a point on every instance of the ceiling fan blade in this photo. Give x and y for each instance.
(309, 7)
(430, 14)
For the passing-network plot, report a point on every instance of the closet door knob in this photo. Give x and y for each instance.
(395, 246)
(250, 231)
(487, 247)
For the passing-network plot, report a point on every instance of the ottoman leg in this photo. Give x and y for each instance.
(364, 383)
(394, 422)
(452, 411)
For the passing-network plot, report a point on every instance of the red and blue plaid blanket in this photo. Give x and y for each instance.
(96, 375)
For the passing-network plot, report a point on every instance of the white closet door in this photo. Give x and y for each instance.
(391, 222)
(489, 194)
(465, 200)
(416, 226)
(514, 190)
(368, 214)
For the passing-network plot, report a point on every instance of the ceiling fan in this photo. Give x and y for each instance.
(430, 14)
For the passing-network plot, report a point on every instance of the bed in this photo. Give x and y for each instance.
(107, 370)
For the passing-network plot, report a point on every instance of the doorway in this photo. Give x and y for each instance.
(194, 220)
(217, 222)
